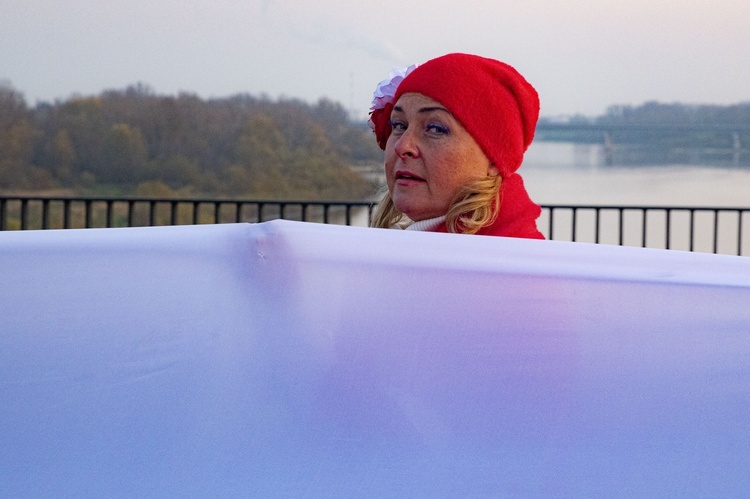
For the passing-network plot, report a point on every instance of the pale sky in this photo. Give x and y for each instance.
(581, 55)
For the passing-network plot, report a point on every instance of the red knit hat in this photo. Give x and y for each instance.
(492, 101)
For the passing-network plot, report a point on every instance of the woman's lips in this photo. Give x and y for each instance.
(407, 178)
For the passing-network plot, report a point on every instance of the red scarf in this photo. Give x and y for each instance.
(518, 213)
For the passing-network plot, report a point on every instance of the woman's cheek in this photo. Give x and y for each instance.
(388, 170)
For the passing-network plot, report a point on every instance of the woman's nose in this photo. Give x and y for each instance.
(407, 146)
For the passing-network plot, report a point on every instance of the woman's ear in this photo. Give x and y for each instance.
(492, 170)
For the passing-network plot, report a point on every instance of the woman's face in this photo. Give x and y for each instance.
(428, 157)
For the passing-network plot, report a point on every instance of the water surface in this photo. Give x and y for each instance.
(567, 173)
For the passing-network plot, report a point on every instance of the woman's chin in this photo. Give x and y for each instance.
(416, 215)
(414, 209)
(409, 210)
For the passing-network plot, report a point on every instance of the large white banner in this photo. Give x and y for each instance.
(297, 360)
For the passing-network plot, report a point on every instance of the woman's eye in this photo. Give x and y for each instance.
(437, 128)
(398, 126)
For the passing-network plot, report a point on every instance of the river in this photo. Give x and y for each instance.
(561, 173)
(567, 173)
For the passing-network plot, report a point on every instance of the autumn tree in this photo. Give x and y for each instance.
(17, 136)
(239, 146)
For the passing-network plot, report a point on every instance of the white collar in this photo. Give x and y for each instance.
(427, 225)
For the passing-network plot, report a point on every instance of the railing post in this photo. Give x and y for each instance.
(45, 213)
(66, 214)
(550, 223)
(574, 216)
(196, 208)
(716, 231)
(87, 213)
(24, 209)
(740, 214)
(109, 213)
(131, 209)
(692, 228)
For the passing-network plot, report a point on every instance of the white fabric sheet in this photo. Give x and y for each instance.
(297, 360)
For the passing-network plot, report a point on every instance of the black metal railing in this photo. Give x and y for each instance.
(28, 213)
(706, 229)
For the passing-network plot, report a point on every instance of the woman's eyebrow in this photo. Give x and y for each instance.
(423, 109)
(433, 108)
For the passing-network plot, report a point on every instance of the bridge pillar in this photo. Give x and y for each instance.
(608, 147)
(736, 148)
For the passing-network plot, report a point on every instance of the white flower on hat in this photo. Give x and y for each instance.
(386, 89)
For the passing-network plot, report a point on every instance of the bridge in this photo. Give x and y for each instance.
(548, 126)
(609, 134)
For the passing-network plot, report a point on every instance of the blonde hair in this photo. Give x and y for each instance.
(474, 206)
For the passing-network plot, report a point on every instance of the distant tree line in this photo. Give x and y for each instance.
(135, 142)
(131, 141)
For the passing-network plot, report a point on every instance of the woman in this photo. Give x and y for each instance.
(454, 131)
